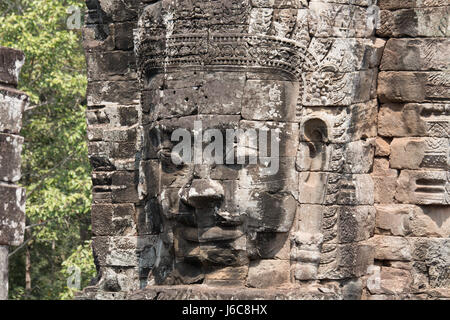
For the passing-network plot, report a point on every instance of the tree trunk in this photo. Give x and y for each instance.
(28, 270)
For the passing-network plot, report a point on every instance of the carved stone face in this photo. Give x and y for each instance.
(242, 65)
(220, 214)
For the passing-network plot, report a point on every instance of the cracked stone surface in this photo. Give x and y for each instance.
(12, 197)
(359, 205)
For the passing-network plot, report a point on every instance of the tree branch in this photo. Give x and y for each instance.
(24, 244)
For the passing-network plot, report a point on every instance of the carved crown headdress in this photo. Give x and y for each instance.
(258, 34)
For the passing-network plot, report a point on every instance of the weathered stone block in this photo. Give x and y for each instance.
(218, 276)
(439, 225)
(119, 151)
(147, 185)
(98, 36)
(12, 105)
(343, 20)
(385, 186)
(405, 86)
(117, 10)
(347, 54)
(150, 217)
(345, 261)
(101, 178)
(11, 61)
(111, 65)
(410, 220)
(224, 172)
(122, 251)
(270, 245)
(406, 4)
(266, 211)
(269, 100)
(10, 157)
(355, 223)
(337, 224)
(417, 153)
(124, 187)
(268, 273)
(98, 152)
(353, 157)
(416, 54)
(434, 253)
(201, 292)
(285, 133)
(393, 281)
(4, 251)
(423, 187)
(97, 117)
(252, 176)
(123, 35)
(100, 93)
(325, 88)
(330, 188)
(416, 22)
(181, 101)
(119, 279)
(95, 133)
(12, 215)
(391, 248)
(113, 220)
(406, 120)
(122, 134)
(223, 93)
(382, 147)
(393, 219)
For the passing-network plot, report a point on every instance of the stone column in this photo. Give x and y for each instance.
(4, 272)
(12, 197)
(112, 116)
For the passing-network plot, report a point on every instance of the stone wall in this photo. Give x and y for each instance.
(372, 204)
(411, 167)
(12, 197)
(112, 116)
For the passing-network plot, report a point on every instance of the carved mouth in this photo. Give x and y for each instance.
(212, 234)
(230, 219)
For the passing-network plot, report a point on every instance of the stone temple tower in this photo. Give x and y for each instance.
(358, 95)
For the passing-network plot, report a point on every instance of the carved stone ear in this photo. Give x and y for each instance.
(315, 130)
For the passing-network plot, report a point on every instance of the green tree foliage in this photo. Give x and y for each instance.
(56, 171)
(81, 258)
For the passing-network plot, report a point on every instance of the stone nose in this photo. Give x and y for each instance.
(202, 193)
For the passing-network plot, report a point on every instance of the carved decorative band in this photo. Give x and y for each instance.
(226, 49)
